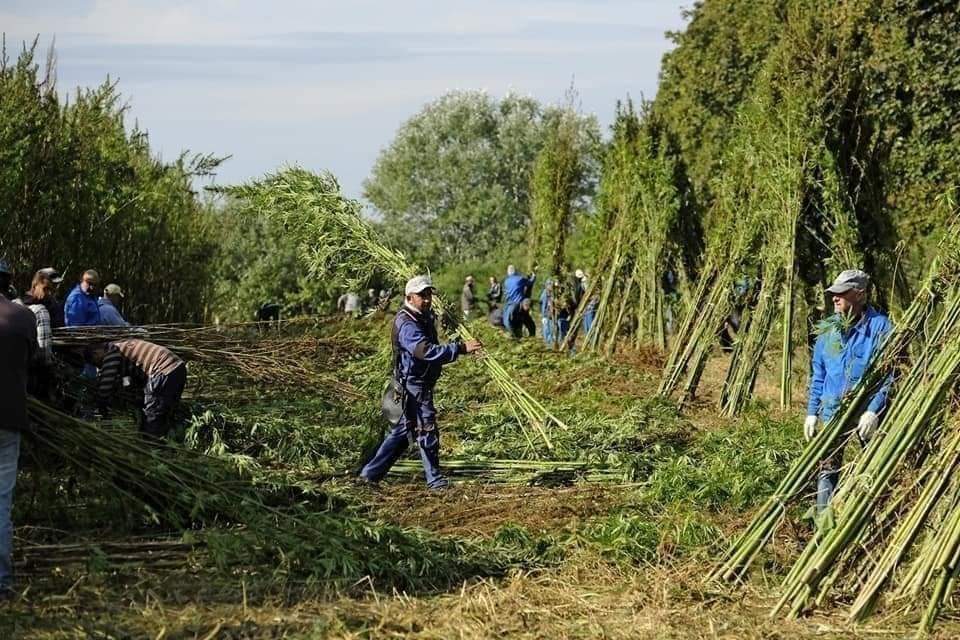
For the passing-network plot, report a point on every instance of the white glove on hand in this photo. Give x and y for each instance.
(868, 425)
(810, 427)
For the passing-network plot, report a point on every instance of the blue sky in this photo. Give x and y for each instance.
(326, 84)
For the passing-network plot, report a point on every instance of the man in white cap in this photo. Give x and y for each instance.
(846, 342)
(417, 363)
(110, 306)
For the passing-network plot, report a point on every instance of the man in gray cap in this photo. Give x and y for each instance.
(109, 305)
(418, 358)
(846, 342)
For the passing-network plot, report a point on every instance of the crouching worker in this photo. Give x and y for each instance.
(418, 360)
(165, 374)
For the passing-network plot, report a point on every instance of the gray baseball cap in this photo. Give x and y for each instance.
(418, 284)
(850, 279)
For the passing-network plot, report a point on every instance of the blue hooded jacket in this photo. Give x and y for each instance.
(81, 309)
(839, 362)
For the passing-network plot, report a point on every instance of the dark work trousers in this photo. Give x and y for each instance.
(160, 395)
(419, 418)
(521, 320)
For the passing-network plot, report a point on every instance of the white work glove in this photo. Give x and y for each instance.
(868, 425)
(810, 427)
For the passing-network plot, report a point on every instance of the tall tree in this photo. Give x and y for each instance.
(454, 184)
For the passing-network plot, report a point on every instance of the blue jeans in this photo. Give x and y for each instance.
(508, 310)
(826, 485)
(547, 325)
(420, 418)
(9, 454)
(588, 320)
(563, 325)
(828, 475)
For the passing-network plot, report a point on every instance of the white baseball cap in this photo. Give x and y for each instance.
(418, 284)
(113, 290)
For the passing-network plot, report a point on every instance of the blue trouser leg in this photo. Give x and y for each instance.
(9, 453)
(428, 438)
(419, 416)
(547, 330)
(827, 479)
(588, 320)
(390, 449)
(507, 312)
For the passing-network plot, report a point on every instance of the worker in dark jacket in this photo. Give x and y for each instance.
(53, 303)
(165, 374)
(419, 358)
(494, 294)
(80, 309)
(18, 344)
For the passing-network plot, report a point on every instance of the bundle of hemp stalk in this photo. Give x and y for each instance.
(336, 242)
(883, 502)
(640, 206)
(529, 472)
(247, 521)
(255, 354)
(764, 229)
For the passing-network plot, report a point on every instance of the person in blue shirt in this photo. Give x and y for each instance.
(516, 287)
(109, 306)
(418, 360)
(81, 309)
(546, 312)
(840, 358)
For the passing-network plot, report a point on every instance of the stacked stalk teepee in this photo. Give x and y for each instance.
(893, 528)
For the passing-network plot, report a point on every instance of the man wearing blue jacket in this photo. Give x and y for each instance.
(840, 358)
(419, 358)
(81, 309)
(516, 287)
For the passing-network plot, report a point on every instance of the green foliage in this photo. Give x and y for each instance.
(455, 182)
(79, 190)
(257, 264)
(889, 125)
(562, 185)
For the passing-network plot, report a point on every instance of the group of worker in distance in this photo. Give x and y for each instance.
(29, 360)
(509, 304)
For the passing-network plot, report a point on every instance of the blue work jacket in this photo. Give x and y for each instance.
(517, 287)
(421, 355)
(839, 362)
(80, 309)
(109, 316)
